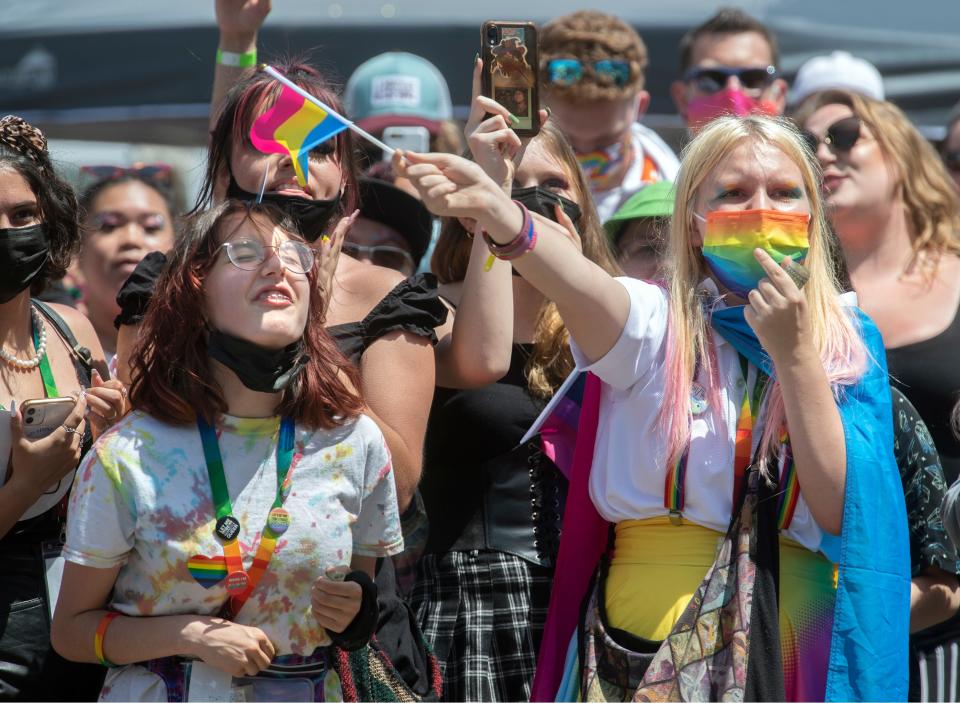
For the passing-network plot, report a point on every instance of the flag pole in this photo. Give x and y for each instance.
(306, 96)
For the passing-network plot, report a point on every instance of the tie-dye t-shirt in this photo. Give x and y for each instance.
(142, 499)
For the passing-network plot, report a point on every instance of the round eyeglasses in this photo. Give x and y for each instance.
(249, 255)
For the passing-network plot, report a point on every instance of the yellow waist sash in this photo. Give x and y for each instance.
(657, 567)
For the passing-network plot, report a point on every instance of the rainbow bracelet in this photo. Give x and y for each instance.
(100, 634)
(519, 245)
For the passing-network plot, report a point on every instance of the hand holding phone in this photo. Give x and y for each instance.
(45, 463)
(511, 69)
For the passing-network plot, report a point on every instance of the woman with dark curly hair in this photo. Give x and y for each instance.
(45, 351)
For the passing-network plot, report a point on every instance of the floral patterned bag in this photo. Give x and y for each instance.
(725, 645)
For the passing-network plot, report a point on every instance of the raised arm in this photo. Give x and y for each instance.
(239, 22)
(593, 305)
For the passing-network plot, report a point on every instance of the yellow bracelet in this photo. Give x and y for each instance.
(100, 634)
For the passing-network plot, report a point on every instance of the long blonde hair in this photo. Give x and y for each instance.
(834, 333)
(551, 361)
(929, 195)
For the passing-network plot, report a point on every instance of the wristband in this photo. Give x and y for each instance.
(100, 634)
(234, 60)
(364, 623)
(519, 245)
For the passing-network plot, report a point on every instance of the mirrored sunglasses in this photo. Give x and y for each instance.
(386, 256)
(249, 255)
(840, 136)
(713, 79)
(570, 71)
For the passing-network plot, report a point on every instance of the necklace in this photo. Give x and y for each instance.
(34, 361)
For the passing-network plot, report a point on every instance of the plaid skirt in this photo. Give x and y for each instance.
(483, 612)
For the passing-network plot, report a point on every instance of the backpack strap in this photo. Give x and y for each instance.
(83, 359)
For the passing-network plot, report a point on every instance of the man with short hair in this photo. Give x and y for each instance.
(728, 65)
(591, 78)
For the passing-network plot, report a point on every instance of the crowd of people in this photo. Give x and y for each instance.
(562, 417)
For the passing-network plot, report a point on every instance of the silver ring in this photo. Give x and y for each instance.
(69, 430)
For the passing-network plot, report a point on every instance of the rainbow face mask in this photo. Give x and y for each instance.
(732, 235)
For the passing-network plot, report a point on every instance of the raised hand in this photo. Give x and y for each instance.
(107, 402)
(492, 142)
(239, 21)
(776, 310)
(328, 254)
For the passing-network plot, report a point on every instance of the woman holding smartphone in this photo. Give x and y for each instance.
(41, 358)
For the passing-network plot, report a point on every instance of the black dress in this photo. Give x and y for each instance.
(494, 507)
(412, 306)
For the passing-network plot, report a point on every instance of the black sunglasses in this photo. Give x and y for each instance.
(713, 79)
(840, 136)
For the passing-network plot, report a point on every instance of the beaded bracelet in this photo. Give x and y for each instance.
(99, 636)
(519, 245)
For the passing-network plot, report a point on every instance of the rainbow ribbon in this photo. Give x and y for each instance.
(294, 126)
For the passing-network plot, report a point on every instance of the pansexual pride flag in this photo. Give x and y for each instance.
(294, 126)
(732, 235)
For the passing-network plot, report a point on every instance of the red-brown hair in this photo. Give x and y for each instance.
(172, 373)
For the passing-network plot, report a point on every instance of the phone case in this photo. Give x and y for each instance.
(43, 416)
(511, 66)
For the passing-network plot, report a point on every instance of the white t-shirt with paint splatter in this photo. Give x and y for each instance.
(142, 499)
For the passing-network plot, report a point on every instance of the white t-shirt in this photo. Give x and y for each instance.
(142, 499)
(645, 142)
(629, 462)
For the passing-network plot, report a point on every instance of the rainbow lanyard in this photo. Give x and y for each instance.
(240, 583)
(789, 493)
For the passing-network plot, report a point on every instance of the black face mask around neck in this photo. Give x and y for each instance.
(311, 216)
(542, 201)
(23, 253)
(258, 368)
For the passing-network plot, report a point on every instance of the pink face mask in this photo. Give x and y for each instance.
(728, 101)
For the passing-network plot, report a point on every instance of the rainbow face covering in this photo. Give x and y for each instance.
(732, 235)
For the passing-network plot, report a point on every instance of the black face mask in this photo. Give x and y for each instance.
(258, 368)
(542, 201)
(23, 253)
(311, 216)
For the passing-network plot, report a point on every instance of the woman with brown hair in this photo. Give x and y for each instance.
(897, 218)
(248, 445)
(495, 508)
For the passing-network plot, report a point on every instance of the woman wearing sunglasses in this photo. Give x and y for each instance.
(217, 522)
(128, 213)
(897, 217)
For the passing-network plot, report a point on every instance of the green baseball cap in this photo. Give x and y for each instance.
(397, 89)
(654, 200)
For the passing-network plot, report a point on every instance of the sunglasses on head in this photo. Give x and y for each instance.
(840, 136)
(951, 159)
(713, 79)
(571, 71)
(157, 174)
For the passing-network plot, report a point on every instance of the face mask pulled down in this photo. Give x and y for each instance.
(544, 202)
(604, 168)
(258, 368)
(312, 217)
(732, 235)
(728, 101)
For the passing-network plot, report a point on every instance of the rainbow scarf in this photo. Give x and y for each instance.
(732, 236)
(294, 126)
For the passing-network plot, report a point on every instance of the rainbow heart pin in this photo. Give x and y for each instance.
(208, 571)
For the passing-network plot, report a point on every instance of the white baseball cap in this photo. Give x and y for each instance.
(839, 70)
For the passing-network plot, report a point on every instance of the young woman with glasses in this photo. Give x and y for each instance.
(897, 218)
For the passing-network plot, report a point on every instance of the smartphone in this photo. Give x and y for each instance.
(407, 138)
(511, 69)
(43, 415)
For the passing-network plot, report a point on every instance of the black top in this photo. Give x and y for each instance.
(466, 429)
(928, 373)
(412, 306)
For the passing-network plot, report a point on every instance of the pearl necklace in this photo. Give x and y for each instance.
(34, 362)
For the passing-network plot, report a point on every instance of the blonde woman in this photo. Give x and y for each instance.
(678, 367)
(897, 217)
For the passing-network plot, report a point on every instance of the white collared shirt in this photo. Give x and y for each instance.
(629, 461)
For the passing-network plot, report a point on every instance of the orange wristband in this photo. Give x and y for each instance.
(100, 634)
